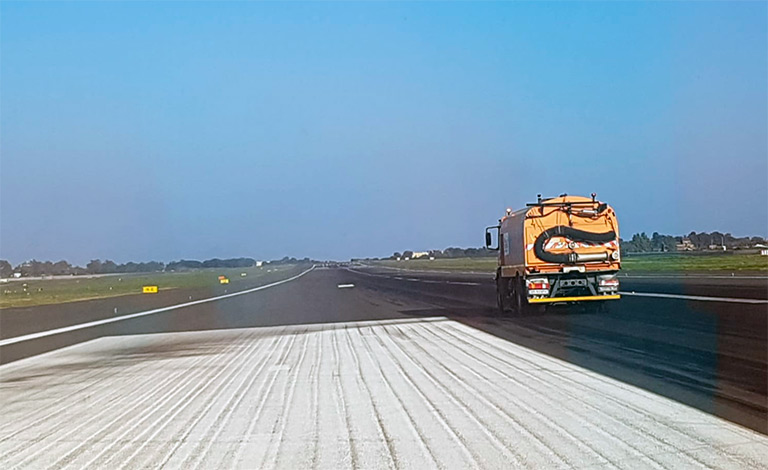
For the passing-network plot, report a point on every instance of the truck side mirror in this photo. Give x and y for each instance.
(489, 238)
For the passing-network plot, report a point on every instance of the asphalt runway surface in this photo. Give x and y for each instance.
(402, 370)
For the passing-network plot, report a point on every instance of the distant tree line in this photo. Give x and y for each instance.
(451, 252)
(34, 268)
(641, 243)
(210, 263)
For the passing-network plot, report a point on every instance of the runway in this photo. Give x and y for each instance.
(392, 373)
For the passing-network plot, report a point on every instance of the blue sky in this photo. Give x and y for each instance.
(137, 131)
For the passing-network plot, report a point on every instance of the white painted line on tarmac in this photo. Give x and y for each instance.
(688, 276)
(345, 286)
(623, 275)
(637, 294)
(696, 297)
(413, 279)
(43, 334)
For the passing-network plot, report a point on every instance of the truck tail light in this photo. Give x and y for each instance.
(538, 286)
(608, 284)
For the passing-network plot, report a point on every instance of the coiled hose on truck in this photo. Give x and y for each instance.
(574, 235)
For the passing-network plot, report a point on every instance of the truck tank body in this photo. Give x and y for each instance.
(520, 231)
(559, 249)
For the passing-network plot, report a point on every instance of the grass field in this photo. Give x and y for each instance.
(663, 263)
(24, 293)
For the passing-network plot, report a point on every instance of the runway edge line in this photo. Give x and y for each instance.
(43, 334)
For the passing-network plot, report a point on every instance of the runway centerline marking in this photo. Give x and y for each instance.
(43, 334)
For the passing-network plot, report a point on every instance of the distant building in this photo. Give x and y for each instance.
(259, 264)
(717, 247)
(686, 245)
(419, 254)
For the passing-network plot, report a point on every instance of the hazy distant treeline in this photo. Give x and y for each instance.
(36, 268)
(451, 252)
(639, 243)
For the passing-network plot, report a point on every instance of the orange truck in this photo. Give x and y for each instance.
(562, 249)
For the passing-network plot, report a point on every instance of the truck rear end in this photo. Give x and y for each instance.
(563, 249)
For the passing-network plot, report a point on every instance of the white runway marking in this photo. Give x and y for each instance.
(425, 393)
(345, 286)
(636, 294)
(43, 334)
(414, 279)
(696, 297)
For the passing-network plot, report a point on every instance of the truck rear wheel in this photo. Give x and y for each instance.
(502, 294)
(518, 300)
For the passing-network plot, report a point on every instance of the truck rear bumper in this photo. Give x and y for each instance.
(574, 299)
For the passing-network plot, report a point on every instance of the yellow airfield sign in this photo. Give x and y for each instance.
(224, 281)
(149, 289)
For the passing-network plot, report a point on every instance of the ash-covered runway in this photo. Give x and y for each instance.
(307, 375)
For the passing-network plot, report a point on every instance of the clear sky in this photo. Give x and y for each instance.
(138, 131)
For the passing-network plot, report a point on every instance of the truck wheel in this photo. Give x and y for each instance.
(502, 294)
(517, 295)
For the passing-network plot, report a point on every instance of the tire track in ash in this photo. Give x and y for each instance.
(403, 410)
(171, 396)
(553, 387)
(260, 407)
(331, 441)
(62, 425)
(474, 461)
(393, 460)
(255, 375)
(353, 451)
(49, 388)
(543, 397)
(63, 405)
(36, 452)
(203, 450)
(278, 430)
(512, 457)
(315, 403)
(192, 422)
(648, 419)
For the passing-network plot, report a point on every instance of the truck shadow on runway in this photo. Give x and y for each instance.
(707, 356)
